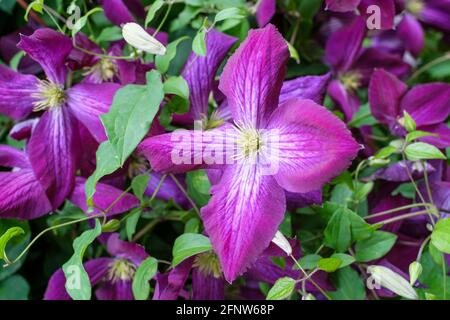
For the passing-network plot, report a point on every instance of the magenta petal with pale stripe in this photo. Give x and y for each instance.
(104, 197)
(88, 101)
(16, 92)
(253, 76)
(53, 151)
(315, 145)
(243, 216)
(126, 250)
(412, 34)
(50, 49)
(308, 87)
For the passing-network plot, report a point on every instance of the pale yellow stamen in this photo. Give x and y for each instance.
(415, 6)
(49, 95)
(105, 70)
(249, 141)
(208, 264)
(121, 269)
(351, 80)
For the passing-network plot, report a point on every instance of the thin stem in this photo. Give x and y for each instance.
(410, 206)
(185, 193)
(430, 64)
(117, 199)
(53, 19)
(33, 14)
(158, 187)
(427, 183)
(405, 216)
(422, 247)
(169, 7)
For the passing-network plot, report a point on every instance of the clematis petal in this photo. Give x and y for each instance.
(53, 152)
(199, 72)
(314, 145)
(253, 76)
(168, 190)
(309, 87)
(387, 11)
(22, 130)
(16, 91)
(88, 101)
(117, 12)
(50, 49)
(22, 196)
(442, 130)
(411, 33)
(385, 94)
(169, 286)
(207, 287)
(243, 216)
(11, 157)
(347, 100)
(96, 269)
(104, 197)
(342, 5)
(300, 200)
(428, 103)
(437, 14)
(118, 290)
(344, 45)
(185, 150)
(126, 250)
(398, 172)
(265, 11)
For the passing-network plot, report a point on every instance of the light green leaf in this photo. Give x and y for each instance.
(346, 259)
(362, 117)
(440, 237)
(192, 226)
(178, 87)
(414, 135)
(111, 226)
(4, 239)
(80, 23)
(77, 284)
(146, 271)
(349, 285)
(423, 151)
(154, 8)
(308, 262)
(15, 245)
(234, 13)
(282, 289)
(187, 245)
(199, 43)
(329, 264)
(415, 269)
(363, 190)
(131, 114)
(198, 186)
(36, 5)
(410, 124)
(293, 52)
(163, 62)
(385, 152)
(15, 60)
(374, 247)
(108, 34)
(131, 222)
(139, 185)
(14, 288)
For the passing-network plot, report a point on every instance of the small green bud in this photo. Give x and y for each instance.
(415, 269)
(111, 226)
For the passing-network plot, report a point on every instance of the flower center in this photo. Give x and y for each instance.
(213, 121)
(49, 95)
(121, 269)
(138, 165)
(208, 263)
(249, 141)
(105, 70)
(351, 80)
(414, 6)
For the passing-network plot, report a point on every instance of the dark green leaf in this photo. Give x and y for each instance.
(152, 11)
(374, 247)
(187, 245)
(14, 288)
(349, 285)
(139, 185)
(163, 62)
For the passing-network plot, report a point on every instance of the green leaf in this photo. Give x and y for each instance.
(198, 186)
(363, 191)
(374, 247)
(14, 288)
(199, 43)
(80, 23)
(423, 151)
(131, 222)
(362, 117)
(407, 190)
(346, 259)
(107, 162)
(111, 226)
(78, 285)
(338, 231)
(385, 152)
(163, 62)
(349, 285)
(15, 245)
(435, 254)
(154, 8)
(4, 239)
(187, 245)
(282, 289)
(139, 185)
(234, 13)
(146, 271)
(36, 5)
(440, 237)
(178, 87)
(15, 60)
(410, 124)
(414, 135)
(329, 264)
(108, 34)
(293, 52)
(308, 262)
(192, 226)
(131, 114)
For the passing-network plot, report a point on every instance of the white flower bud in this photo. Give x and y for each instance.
(137, 37)
(281, 241)
(391, 280)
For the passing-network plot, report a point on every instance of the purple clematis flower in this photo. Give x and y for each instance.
(428, 105)
(435, 13)
(399, 171)
(53, 148)
(123, 11)
(112, 275)
(248, 204)
(353, 65)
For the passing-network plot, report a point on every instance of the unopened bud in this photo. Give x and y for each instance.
(281, 241)
(138, 38)
(415, 269)
(391, 280)
(111, 225)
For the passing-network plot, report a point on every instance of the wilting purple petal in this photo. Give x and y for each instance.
(11, 157)
(117, 12)
(16, 91)
(411, 33)
(169, 286)
(50, 49)
(315, 145)
(104, 197)
(96, 269)
(199, 72)
(253, 76)
(23, 130)
(88, 101)
(243, 216)
(342, 5)
(344, 45)
(53, 152)
(22, 196)
(442, 130)
(207, 287)
(428, 103)
(265, 11)
(385, 94)
(347, 100)
(309, 87)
